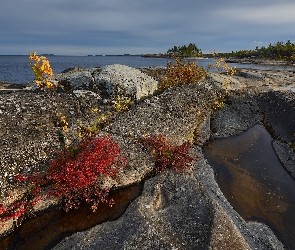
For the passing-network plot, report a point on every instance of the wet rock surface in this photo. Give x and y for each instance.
(186, 211)
(254, 181)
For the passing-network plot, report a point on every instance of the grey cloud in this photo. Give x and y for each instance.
(132, 25)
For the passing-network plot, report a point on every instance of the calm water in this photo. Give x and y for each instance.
(253, 180)
(17, 69)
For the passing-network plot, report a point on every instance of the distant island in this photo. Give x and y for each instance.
(184, 51)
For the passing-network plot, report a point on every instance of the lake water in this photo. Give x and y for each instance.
(17, 68)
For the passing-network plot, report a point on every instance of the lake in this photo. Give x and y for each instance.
(17, 68)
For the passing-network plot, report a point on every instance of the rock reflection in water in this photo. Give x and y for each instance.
(254, 181)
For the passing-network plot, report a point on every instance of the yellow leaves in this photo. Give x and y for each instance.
(101, 121)
(49, 84)
(42, 71)
(181, 73)
(218, 104)
(222, 68)
(38, 83)
(221, 65)
(33, 56)
(94, 110)
(63, 122)
(45, 67)
(122, 104)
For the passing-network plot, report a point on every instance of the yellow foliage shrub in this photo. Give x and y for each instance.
(181, 73)
(122, 104)
(43, 73)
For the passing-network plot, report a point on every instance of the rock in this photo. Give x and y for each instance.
(177, 211)
(171, 213)
(250, 75)
(286, 155)
(78, 78)
(185, 211)
(110, 81)
(224, 233)
(279, 110)
(175, 113)
(29, 131)
(10, 85)
(266, 80)
(240, 112)
(125, 81)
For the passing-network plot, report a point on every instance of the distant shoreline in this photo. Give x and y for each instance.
(258, 61)
(171, 57)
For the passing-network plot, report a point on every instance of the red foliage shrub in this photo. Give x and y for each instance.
(72, 175)
(15, 210)
(167, 155)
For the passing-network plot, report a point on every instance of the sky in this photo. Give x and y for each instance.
(112, 27)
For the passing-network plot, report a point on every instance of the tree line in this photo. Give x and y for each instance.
(279, 51)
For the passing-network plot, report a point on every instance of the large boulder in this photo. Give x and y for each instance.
(110, 81)
(125, 81)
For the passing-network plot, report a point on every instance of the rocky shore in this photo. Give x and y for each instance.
(175, 211)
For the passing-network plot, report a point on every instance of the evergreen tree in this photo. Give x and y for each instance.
(184, 51)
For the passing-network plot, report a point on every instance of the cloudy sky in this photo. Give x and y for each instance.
(72, 27)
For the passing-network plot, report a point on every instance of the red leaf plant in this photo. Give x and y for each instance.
(73, 175)
(167, 155)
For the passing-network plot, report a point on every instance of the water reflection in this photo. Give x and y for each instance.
(254, 181)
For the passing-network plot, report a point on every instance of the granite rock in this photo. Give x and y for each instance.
(125, 81)
(186, 211)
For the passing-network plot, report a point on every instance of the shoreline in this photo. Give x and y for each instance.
(259, 61)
